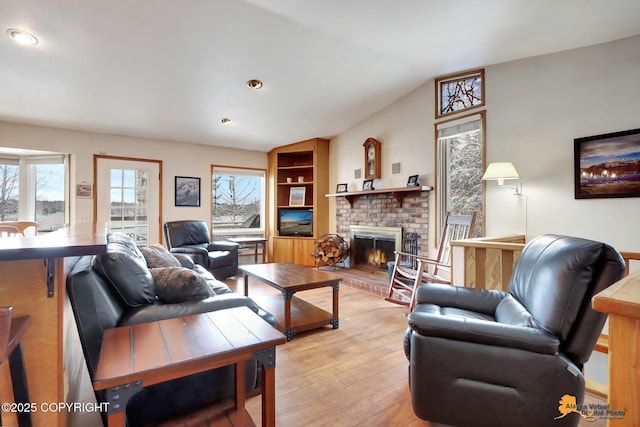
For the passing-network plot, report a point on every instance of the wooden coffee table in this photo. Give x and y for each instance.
(133, 357)
(297, 315)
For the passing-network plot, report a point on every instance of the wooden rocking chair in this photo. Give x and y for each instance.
(410, 271)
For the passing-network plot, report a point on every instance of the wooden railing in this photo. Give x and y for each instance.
(486, 262)
(622, 302)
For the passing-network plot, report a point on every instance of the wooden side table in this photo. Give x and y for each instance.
(133, 357)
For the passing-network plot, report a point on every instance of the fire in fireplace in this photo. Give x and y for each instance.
(373, 247)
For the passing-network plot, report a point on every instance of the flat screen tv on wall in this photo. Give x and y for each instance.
(295, 222)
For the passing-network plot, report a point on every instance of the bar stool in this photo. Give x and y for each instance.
(11, 333)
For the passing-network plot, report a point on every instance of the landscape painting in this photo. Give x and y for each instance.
(187, 191)
(607, 165)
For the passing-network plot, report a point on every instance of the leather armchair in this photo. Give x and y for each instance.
(192, 238)
(492, 358)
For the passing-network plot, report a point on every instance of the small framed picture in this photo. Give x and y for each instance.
(84, 190)
(296, 196)
(413, 181)
(367, 185)
(187, 191)
(341, 188)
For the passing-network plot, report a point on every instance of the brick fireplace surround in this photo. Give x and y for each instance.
(383, 210)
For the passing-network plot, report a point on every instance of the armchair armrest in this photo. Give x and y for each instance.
(483, 332)
(223, 246)
(479, 300)
(199, 254)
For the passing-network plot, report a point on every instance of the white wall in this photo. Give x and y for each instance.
(535, 108)
(178, 159)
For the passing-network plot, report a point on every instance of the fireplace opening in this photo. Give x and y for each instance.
(372, 247)
(374, 251)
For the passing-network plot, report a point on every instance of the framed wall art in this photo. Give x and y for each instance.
(607, 165)
(84, 190)
(187, 191)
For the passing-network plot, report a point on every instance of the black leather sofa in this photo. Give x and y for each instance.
(118, 288)
(493, 358)
(192, 238)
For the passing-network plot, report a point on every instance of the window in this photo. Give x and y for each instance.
(9, 181)
(459, 92)
(238, 202)
(33, 188)
(129, 203)
(460, 154)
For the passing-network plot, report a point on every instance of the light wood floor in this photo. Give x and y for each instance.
(355, 375)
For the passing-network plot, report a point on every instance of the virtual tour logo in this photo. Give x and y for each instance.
(590, 412)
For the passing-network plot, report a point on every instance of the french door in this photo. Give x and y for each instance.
(128, 197)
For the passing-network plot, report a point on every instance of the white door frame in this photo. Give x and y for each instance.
(97, 193)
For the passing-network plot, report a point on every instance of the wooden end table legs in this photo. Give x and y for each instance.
(334, 319)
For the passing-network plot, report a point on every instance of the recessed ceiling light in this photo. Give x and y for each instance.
(225, 121)
(254, 84)
(22, 37)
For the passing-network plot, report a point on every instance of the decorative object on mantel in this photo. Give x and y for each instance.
(330, 249)
(367, 185)
(398, 193)
(413, 181)
(372, 165)
(607, 165)
(341, 188)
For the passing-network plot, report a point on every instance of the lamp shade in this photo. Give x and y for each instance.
(500, 171)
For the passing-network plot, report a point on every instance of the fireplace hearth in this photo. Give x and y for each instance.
(372, 247)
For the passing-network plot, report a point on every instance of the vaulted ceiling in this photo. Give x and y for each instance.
(172, 69)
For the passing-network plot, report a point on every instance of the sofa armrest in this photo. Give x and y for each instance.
(223, 246)
(159, 311)
(479, 300)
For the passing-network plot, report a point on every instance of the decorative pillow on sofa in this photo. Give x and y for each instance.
(179, 284)
(158, 256)
(125, 269)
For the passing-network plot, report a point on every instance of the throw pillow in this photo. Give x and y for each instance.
(179, 284)
(127, 274)
(158, 256)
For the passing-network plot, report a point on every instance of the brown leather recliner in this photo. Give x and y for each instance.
(192, 238)
(493, 358)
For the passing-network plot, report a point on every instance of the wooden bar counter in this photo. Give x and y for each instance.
(32, 280)
(622, 302)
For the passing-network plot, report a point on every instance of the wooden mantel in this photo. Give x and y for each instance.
(398, 193)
